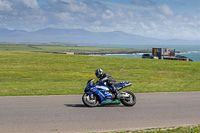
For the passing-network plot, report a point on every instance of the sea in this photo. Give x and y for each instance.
(190, 51)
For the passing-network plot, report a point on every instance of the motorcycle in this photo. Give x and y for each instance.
(100, 94)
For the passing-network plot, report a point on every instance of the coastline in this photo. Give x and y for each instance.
(117, 53)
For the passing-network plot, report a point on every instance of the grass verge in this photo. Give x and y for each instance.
(188, 129)
(28, 73)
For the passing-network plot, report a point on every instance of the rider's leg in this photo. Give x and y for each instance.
(115, 91)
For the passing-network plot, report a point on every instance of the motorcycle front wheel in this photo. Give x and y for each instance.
(90, 101)
(129, 101)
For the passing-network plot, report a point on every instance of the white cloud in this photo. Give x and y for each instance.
(165, 10)
(107, 14)
(5, 6)
(153, 25)
(144, 27)
(31, 4)
(64, 17)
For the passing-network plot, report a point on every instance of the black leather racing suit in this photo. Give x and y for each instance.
(111, 82)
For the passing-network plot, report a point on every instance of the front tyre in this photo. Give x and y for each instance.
(90, 101)
(130, 100)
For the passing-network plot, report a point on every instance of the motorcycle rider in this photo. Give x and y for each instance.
(111, 82)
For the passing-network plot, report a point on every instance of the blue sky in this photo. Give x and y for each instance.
(163, 19)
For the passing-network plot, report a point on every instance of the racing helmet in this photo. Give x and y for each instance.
(98, 72)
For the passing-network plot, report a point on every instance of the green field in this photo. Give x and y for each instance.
(188, 129)
(54, 48)
(32, 73)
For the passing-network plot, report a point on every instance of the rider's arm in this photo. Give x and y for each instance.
(103, 79)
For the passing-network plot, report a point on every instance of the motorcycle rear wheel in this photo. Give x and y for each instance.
(88, 101)
(130, 101)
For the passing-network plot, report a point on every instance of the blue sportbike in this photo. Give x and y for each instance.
(100, 94)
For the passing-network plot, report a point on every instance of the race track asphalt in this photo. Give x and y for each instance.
(66, 113)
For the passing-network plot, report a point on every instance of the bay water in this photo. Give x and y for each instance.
(190, 51)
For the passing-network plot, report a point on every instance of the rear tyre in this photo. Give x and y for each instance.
(88, 101)
(129, 101)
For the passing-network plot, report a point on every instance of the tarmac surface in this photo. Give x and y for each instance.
(66, 113)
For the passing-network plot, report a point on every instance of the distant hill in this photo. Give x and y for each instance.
(82, 36)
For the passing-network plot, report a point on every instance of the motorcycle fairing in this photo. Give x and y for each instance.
(103, 94)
